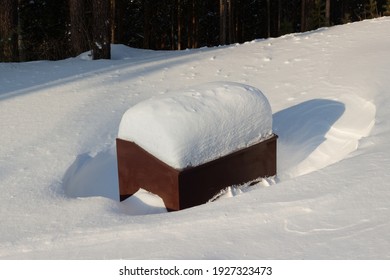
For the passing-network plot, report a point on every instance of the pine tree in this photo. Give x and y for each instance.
(371, 9)
(386, 8)
(317, 16)
(42, 29)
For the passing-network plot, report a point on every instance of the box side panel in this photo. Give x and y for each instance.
(199, 184)
(139, 169)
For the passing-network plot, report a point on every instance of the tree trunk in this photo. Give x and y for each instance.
(178, 5)
(327, 13)
(279, 18)
(8, 31)
(222, 21)
(114, 21)
(101, 41)
(21, 49)
(147, 24)
(231, 18)
(193, 36)
(268, 18)
(78, 26)
(303, 16)
(173, 27)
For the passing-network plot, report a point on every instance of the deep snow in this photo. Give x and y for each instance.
(329, 93)
(195, 125)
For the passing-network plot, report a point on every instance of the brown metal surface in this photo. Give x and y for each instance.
(139, 169)
(201, 183)
(192, 186)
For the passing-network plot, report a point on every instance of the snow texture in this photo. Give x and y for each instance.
(330, 98)
(199, 124)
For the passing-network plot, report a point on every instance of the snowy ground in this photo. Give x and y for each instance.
(330, 97)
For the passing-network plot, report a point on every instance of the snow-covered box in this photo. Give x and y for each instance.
(188, 145)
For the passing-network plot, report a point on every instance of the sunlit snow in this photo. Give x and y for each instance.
(329, 95)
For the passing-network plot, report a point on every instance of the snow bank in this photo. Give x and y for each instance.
(199, 124)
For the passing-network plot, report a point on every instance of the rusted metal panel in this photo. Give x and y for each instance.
(139, 169)
(180, 189)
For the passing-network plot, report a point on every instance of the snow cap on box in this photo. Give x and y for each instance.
(198, 124)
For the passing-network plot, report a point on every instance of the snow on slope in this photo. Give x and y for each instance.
(329, 92)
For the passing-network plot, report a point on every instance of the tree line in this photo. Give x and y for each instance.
(57, 29)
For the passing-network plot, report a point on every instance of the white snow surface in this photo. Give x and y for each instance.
(330, 98)
(193, 126)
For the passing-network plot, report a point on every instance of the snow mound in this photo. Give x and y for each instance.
(320, 132)
(90, 176)
(193, 126)
(118, 52)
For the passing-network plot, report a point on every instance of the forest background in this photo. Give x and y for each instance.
(57, 29)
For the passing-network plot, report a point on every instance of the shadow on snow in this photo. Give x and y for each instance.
(301, 129)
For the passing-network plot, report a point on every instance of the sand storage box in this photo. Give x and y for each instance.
(188, 145)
